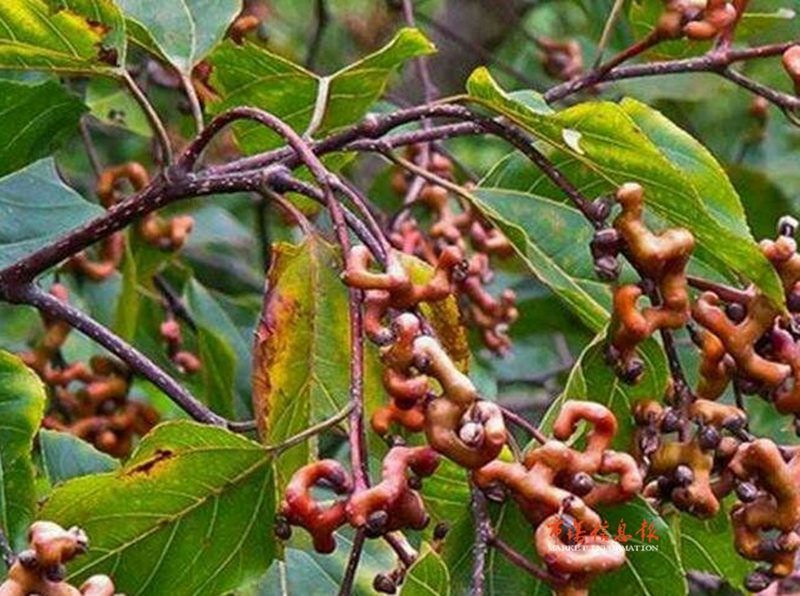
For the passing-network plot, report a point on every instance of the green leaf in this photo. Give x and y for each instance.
(218, 370)
(764, 201)
(37, 35)
(592, 379)
(306, 572)
(213, 322)
(695, 162)
(552, 239)
(65, 456)
(183, 34)
(446, 493)
(301, 357)
(37, 208)
(607, 141)
(114, 105)
(22, 400)
(656, 572)
(35, 119)
(189, 514)
(707, 545)
(300, 360)
(251, 76)
(428, 576)
(127, 313)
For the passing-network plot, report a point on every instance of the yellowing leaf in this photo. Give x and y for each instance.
(60, 37)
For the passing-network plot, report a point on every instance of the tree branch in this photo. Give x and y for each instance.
(311, 431)
(152, 116)
(54, 308)
(715, 61)
(483, 534)
(346, 589)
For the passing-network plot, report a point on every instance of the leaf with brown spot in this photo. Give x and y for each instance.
(190, 514)
(301, 356)
(146, 467)
(72, 36)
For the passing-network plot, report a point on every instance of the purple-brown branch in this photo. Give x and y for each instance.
(717, 61)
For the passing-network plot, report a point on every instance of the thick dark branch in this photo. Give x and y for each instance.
(53, 308)
(157, 194)
(372, 127)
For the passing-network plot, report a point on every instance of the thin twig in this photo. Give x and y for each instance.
(510, 553)
(290, 210)
(726, 293)
(346, 589)
(515, 418)
(91, 150)
(285, 182)
(363, 206)
(608, 28)
(152, 116)
(429, 91)
(311, 431)
(194, 101)
(262, 231)
(483, 534)
(173, 301)
(544, 164)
